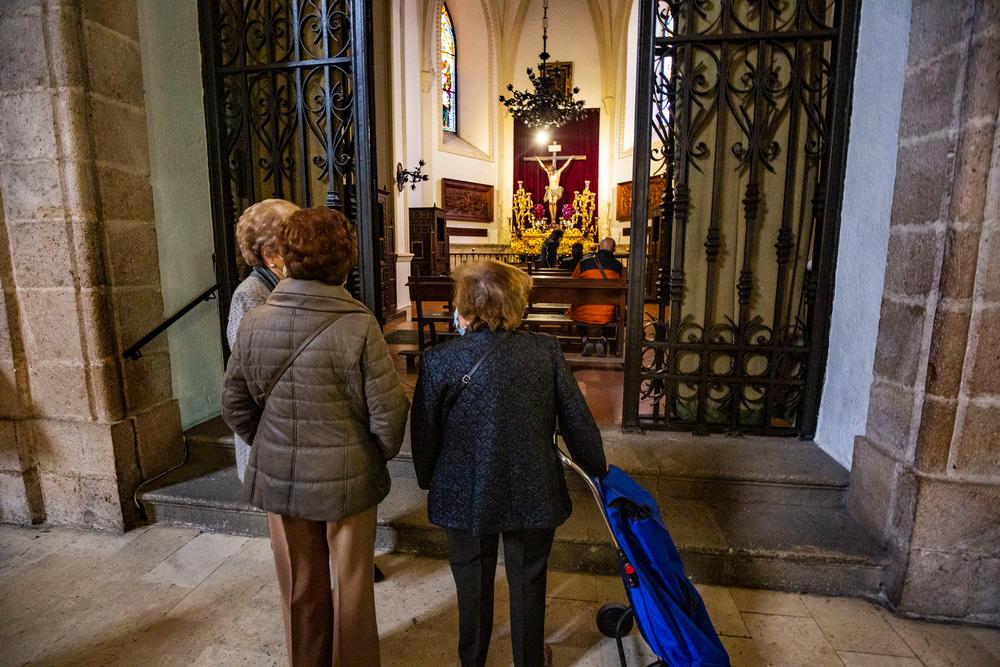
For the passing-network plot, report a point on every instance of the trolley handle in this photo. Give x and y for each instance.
(594, 489)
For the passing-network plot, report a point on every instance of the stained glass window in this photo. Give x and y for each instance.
(449, 99)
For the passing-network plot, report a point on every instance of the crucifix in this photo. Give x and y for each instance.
(553, 191)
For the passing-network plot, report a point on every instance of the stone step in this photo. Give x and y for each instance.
(800, 548)
(671, 465)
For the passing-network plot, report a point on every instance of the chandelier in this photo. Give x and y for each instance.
(545, 107)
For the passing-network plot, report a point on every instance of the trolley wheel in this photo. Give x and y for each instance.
(609, 620)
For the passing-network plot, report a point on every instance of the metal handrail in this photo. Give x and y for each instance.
(134, 351)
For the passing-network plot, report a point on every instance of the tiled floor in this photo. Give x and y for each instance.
(172, 596)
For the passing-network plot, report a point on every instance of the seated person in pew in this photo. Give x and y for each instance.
(570, 263)
(592, 320)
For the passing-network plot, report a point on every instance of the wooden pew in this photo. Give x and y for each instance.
(582, 293)
(550, 297)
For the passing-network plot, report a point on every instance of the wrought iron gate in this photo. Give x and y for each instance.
(290, 115)
(742, 106)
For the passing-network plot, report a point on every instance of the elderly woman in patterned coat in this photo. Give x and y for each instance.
(484, 448)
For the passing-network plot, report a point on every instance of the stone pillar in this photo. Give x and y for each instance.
(80, 426)
(926, 474)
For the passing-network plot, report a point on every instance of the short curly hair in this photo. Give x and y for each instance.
(256, 228)
(491, 295)
(317, 244)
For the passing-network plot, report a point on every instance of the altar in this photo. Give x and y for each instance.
(555, 189)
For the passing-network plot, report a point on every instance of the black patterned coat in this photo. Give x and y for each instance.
(490, 464)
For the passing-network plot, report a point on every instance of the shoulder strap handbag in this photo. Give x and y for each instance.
(467, 378)
(324, 325)
(600, 267)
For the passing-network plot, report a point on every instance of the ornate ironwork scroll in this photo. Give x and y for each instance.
(743, 117)
(282, 101)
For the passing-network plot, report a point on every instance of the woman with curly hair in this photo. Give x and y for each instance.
(255, 239)
(312, 387)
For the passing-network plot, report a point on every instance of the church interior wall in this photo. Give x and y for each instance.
(864, 225)
(171, 62)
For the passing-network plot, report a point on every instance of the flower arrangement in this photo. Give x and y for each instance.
(539, 212)
(568, 212)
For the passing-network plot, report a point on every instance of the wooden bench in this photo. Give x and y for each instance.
(425, 291)
(549, 299)
(580, 292)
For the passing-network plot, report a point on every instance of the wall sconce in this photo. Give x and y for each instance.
(404, 176)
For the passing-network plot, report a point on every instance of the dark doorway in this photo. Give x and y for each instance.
(288, 95)
(742, 107)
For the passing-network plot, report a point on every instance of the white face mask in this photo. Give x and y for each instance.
(458, 327)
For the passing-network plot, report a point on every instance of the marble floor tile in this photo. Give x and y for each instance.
(989, 638)
(790, 640)
(610, 589)
(760, 601)
(191, 564)
(852, 659)
(23, 546)
(722, 610)
(855, 625)
(742, 651)
(939, 645)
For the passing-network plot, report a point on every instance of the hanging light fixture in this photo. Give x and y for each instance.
(545, 107)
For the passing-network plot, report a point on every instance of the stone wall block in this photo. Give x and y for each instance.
(65, 59)
(49, 325)
(80, 190)
(106, 389)
(972, 172)
(937, 423)
(10, 460)
(67, 447)
(147, 380)
(99, 337)
(118, 15)
(119, 135)
(88, 246)
(113, 64)
(873, 481)
(160, 438)
(26, 130)
(31, 191)
(72, 114)
(931, 579)
(961, 256)
(890, 410)
(911, 273)
(59, 389)
(140, 309)
(40, 254)
(88, 502)
(24, 65)
(132, 254)
(984, 377)
(957, 517)
(125, 195)
(10, 399)
(920, 186)
(947, 352)
(14, 507)
(900, 337)
(929, 96)
(979, 440)
(982, 88)
(991, 258)
(936, 27)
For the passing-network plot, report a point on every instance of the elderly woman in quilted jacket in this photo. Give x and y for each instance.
(484, 448)
(312, 388)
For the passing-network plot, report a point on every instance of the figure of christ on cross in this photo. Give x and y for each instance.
(553, 191)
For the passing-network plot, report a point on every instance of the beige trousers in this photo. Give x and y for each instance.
(327, 623)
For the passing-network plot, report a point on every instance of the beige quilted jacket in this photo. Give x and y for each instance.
(319, 446)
